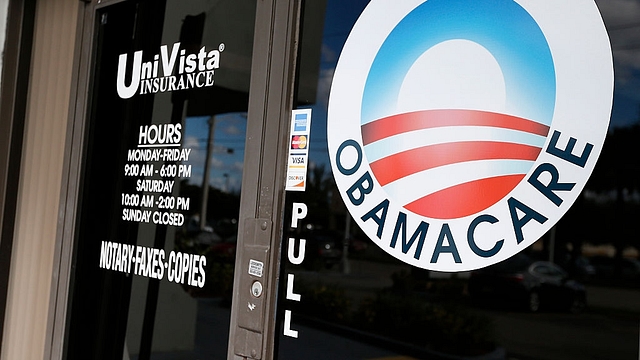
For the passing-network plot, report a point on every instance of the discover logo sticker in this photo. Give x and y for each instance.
(461, 131)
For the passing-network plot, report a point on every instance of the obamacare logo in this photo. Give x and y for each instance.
(461, 131)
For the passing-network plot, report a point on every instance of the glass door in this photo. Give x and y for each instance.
(573, 294)
(157, 223)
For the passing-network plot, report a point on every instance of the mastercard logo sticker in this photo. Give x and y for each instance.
(298, 142)
(460, 131)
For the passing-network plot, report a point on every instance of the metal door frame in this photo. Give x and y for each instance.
(263, 183)
(262, 198)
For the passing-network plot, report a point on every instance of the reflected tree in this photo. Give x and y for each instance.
(609, 208)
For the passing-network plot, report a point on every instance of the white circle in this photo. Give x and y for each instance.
(581, 53)
(454, 74)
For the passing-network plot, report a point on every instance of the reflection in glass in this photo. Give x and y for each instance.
(185, 314)
(582, 279)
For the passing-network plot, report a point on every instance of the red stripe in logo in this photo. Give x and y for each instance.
(464, 199)
(409, 162)
(458, 199)
(398, 124)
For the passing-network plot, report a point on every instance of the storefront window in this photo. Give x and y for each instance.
(156, 232)
(574, 294)
(158, 215)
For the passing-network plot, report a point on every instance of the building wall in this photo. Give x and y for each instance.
(40, 180)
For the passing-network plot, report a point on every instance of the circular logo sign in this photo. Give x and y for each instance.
(461, 131)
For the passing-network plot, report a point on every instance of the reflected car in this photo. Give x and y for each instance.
(527, 284)
(627, 269)
(225, 250)
(579, 267)
(323, 249)
(630, 269)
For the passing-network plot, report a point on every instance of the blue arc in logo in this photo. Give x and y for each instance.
(503, 27)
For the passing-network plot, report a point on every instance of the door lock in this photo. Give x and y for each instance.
(256, 289)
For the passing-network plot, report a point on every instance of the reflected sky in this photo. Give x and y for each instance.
(622, 19)
(228, 149)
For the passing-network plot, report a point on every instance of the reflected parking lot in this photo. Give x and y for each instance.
(608, 328)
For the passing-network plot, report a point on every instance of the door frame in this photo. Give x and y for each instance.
(262, 198)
